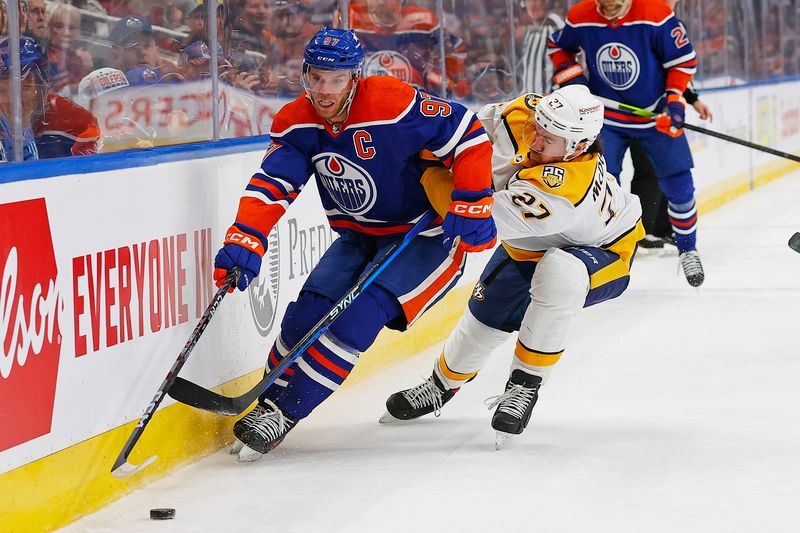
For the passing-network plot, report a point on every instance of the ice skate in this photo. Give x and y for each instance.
(261, 431)
(427, 397)
(657, 246)
(514, 406)
(236, 447)
(692, 268)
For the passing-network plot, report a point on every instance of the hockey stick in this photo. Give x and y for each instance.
(192, 394)
(122, 468)
(638, 111)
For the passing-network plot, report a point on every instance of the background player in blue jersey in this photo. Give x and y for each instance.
(637, 53)
(362, 139)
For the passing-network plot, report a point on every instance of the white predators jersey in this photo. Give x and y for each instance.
(555, 205)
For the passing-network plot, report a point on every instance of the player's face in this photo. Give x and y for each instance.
(613, 8)
(546, 147)
(329, 90)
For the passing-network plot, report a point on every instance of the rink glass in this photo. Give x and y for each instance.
(466, 50)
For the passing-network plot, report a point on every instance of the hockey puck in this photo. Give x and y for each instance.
(162, 514)
(794, 242)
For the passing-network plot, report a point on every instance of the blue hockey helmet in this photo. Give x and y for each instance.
(34, 70)
(30, 56)
(334, 49)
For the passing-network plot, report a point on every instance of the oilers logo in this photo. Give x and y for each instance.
(618, 65)
(349, 186)
(263, 291)
(389, 63)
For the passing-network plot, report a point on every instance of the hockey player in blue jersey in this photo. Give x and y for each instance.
(363, 140)
(638, 53)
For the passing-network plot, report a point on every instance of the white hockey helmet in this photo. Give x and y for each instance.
(571, 112)
(101, 81)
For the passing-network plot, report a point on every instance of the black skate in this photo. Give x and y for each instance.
(260, 431)
(657, 245)
(692, 268)
(514, 406)
(427, 397)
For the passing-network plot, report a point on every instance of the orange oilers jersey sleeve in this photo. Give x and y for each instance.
(66, 129)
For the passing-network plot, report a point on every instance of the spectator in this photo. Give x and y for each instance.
(33, 66)
(403, 41)
(289, 25)
(23, 17)
(69, 62)
(536, 70)
(37, 21)
(289, 78)
(249, 31)
(134, 49)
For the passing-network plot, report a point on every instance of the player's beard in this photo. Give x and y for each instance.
(613, 8)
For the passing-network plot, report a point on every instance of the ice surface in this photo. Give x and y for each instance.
(672, 410)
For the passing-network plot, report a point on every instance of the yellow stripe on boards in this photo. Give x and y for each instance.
(58, 489)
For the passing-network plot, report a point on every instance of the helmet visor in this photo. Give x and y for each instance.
(317, 80)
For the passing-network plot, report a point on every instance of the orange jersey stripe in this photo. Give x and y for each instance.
(414, 306)
(327, 363)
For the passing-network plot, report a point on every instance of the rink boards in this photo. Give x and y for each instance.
(106, 269)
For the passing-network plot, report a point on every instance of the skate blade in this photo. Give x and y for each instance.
(237, 447)
(248, 455)
(387, 418)
(501, 438)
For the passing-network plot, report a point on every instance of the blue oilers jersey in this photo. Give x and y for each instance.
(367, 168)
(634, 59)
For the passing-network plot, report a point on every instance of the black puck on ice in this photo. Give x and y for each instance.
(162, 514)
(794, 242)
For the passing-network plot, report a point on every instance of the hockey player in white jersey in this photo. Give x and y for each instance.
(569, 234)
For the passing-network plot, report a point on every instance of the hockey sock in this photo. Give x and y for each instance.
(319, 372)
(683, 218)
(277, 353)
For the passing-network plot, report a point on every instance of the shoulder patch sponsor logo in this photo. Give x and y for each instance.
(618, 65)
(552, 176)
(532, 100)
(348, 185)
(263, 291)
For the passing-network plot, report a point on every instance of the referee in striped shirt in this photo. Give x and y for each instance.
(537, 69)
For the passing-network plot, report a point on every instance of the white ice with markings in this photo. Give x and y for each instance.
(673, 409)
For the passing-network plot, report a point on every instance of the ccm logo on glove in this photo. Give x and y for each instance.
(479, 209)
(242, 239)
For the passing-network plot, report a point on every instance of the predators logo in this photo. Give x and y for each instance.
(532, 100)
(552, 176)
